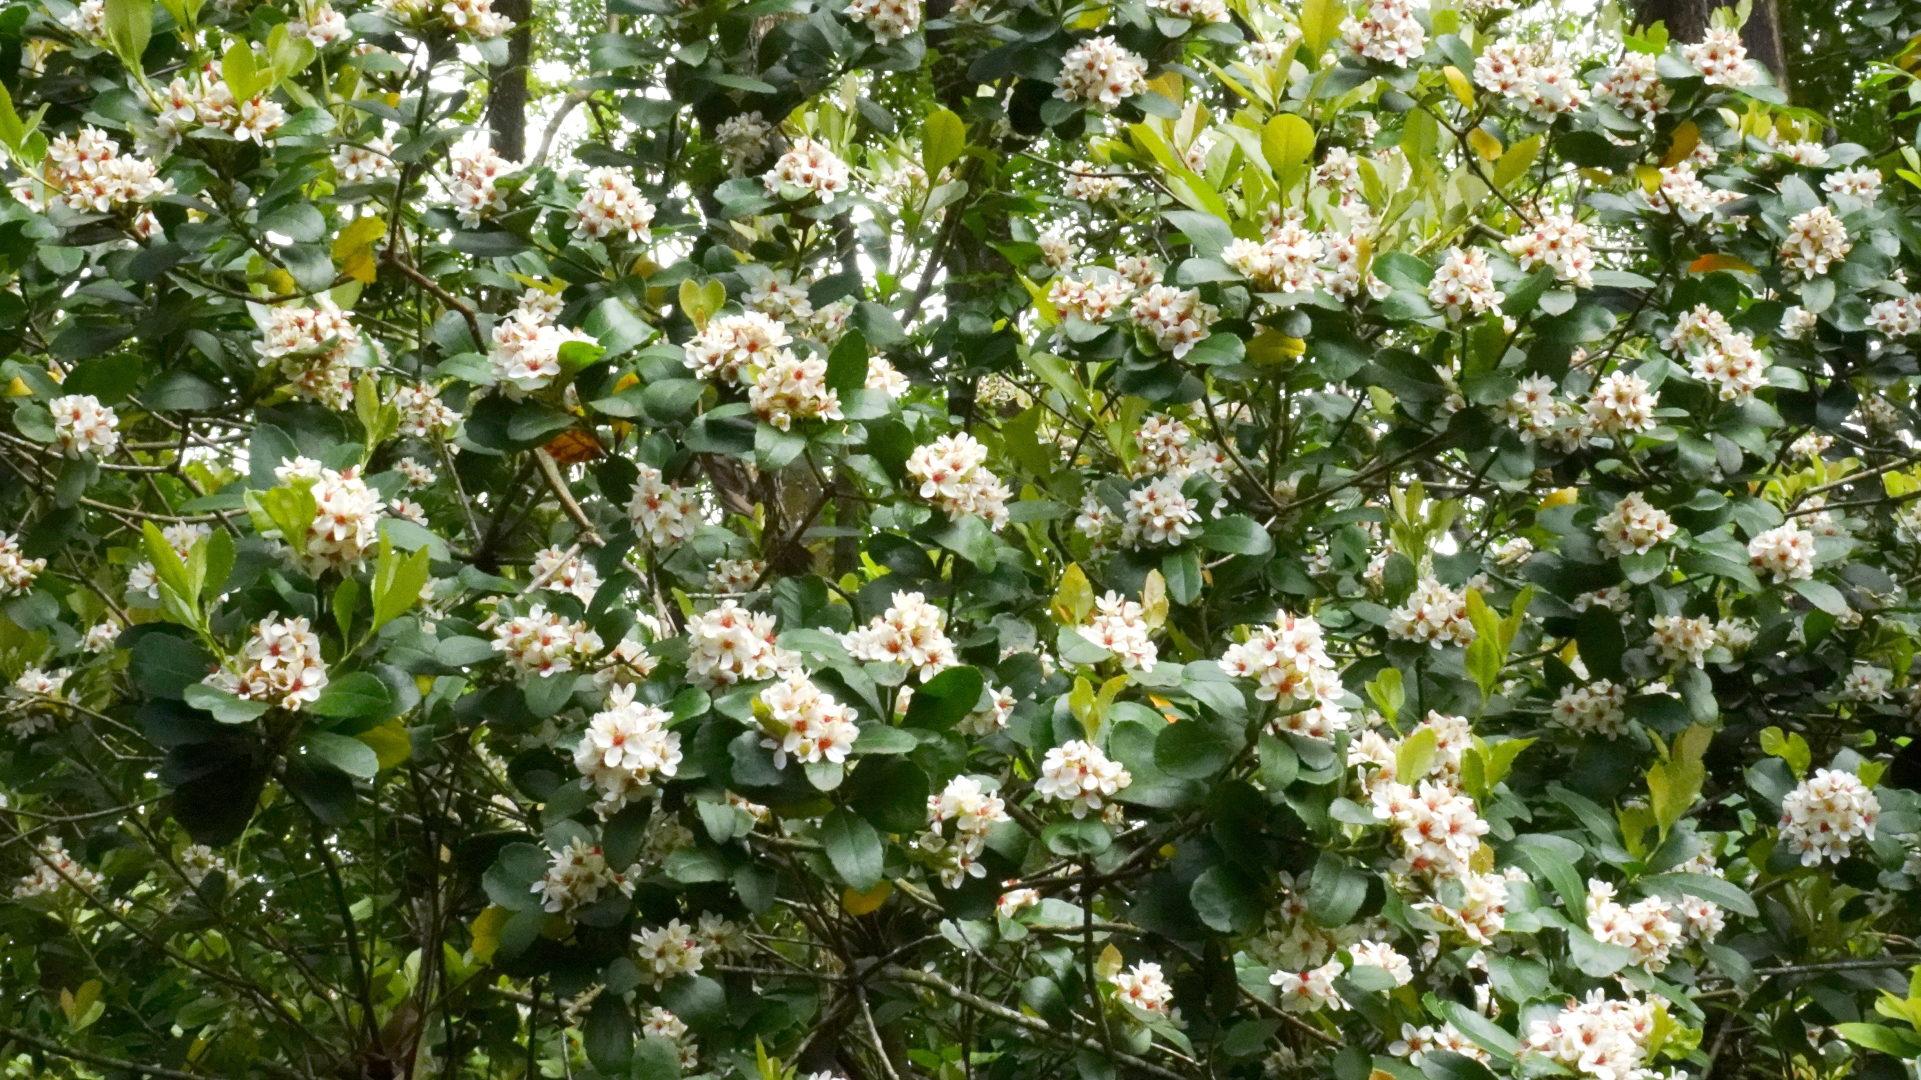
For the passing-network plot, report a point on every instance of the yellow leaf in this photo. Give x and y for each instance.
(1563, 497)
(1463, 89)
(1110, 962)
(863, 903)
(700, 302)
(1074, 597)
(1708, 264)
(354, 247)
(390, 742)
(486, 930)
(1154, 600)
(1485, 145)
(1515, 161)
(18, 388)
(1170, 86)
(1686, 137)
(1649, 176)
(1320, 21)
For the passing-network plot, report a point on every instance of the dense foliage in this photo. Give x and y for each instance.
(1179, 539)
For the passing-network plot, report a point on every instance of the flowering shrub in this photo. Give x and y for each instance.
(1171, 540)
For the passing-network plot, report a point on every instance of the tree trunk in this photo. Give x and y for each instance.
(507, 84)
(1687, 20)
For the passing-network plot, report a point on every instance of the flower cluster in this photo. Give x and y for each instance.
(280, 664)
(974, 810)
(316, 349)
(1634, 526)
(541, 643)
(1309, 991)
(1559, 243)
(626, 745)
(791, 388)
(527, 344)
(1289, 661)
(1464, 284)
(1599, 1038)
(1785, 552)
(1434, 613)
(16, 570)
(1119, 625)
(1101, 73)
(1079, 774)
(1824, 814)
(53, 870)
(87, 174)
(1598, 708)
(611, 206)
(1159, 514)
(809, 168)
(1144, 987)
(729, 344)
(578, 878)
(1389, 31)
(953, 475)
(889, 20)
(805, 723)
(82, 427)
(1176, 319)
(662, 513)
(911, 633)
(474, 172)
(1816, 239)
(730, 644)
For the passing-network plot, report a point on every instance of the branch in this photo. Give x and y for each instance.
(1031, 1023)
(433, 287)
(550, 471)
(103, 1060)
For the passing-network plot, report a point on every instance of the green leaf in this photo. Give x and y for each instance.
(349, 755)
(1237, 534)
(942, 142)
(1227, 900)
(1712, 889)
(940, 703)
(129, 25)
(1182, 569)
(1877, 1037)
(225, 707)
(1335, 891)
(1287, 141)
(608, 1035)
(1673, 785)
(1822, 595)
(354, 695)
(1320, 21)
(1416, 755)
(853, 847)
(397, 582)
(1192, 750)
(847, 364)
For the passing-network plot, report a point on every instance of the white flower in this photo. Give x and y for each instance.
(1597, 708)
(730, 343)
(474, 172)
(743, 140)
(1622, 403)
(889, 20)
(1863, 182)
(1090, 183)
(1077, 773)
(1289, 661)
(361, 163)
(578, 878)
(1387, 31)
(1464, 283)
(735, 576)
(1633, 87)
(1119, 625)
(1633, 527)
(1721, 59)
(316, 349)
(1196, 11)
(1822, 817)
(810, 167)
(1311, 990)
(668, 952)
(662, 513)
(1177, 319)
(1682, 640)
(625, 747)
(1797, 323)
(1867, 682)
(1381, 955)
(1434, 613)
(52, 870)
(1159, 514)
(82, 427)
(280, 664)
(910, 633)
(542, 643)
(806, 723)
(974, 811)
(1895, 318)
(527, 343)
(1558, 243)
(1645, 927)
(1144, 987)
(730, 644)
(953, 476)
(611, 206)
(422, 414)
(1816, 238)
(1598, 1038)
(1100, 72)
(790, 388)
(346, 523)
(16, 569)
(101, 637)
(1786, 553)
